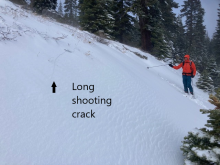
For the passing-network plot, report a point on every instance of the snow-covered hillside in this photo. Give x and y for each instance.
(143, 123)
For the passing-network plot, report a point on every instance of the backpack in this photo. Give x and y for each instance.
(190, 66)
(189, 63)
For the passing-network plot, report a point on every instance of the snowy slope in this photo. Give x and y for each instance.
(145, 124)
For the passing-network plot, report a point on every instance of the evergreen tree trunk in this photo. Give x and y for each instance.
(145, 33)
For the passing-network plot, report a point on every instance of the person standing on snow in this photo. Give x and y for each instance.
(189, 71)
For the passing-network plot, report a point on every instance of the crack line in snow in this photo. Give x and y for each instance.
(62, 54)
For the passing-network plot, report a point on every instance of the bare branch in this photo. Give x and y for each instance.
(60, 38)
(6, 35)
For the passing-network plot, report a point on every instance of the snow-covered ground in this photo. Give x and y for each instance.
(145, 124)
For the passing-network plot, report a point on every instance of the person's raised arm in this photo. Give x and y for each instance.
(179, 66)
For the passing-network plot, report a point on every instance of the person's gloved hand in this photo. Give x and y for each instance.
(171, 65)
(192, 76)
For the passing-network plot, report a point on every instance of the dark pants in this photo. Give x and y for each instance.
(187, 83)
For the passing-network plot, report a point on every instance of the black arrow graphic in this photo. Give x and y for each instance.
(54, 87)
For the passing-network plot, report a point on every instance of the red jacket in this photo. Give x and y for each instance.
(187, 69)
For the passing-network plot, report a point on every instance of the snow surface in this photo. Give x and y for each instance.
(145, 124)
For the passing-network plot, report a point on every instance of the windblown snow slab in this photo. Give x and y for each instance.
(143, 125)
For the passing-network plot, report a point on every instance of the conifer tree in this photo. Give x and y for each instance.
(133, 37)
(160, 45)
(94, 16)
(168, 17)
(70, 9)
(87, 15)
(151, 27)
(202, 58)
(209, 63)
(122, 20)
(168, 24)
(60, 9)
(39, 5)
(141, 8)
(32, 3)
(212, 67)
(202, 146)
(205, 82)
(179, 41)
(20, 2)
(216, 39)
(199, 43)
(195, 30)
(216, 79)
(209, 45)
(217, 92)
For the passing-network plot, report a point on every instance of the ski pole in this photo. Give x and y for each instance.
(157, 66)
